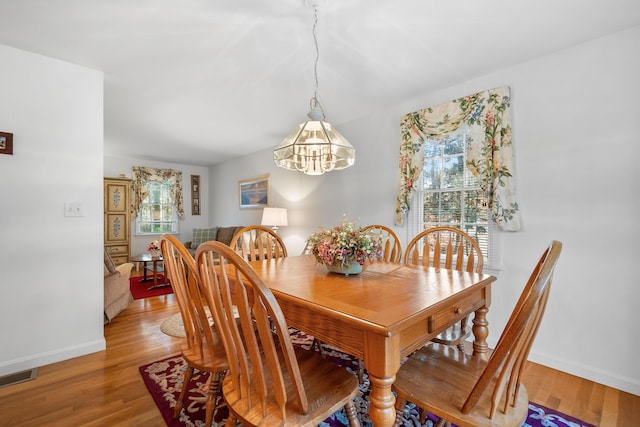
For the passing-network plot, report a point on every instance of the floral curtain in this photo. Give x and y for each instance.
(487, 117)
(140, 176)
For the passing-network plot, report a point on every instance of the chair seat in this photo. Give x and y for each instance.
(323, 382)
(204, 360)
(446, 372)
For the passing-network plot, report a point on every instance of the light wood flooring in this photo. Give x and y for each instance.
(106, 389)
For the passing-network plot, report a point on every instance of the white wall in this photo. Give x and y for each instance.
(50, 265)
(115, 166)
(575, 132)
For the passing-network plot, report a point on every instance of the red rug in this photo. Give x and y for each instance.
(164, 381)
(140, 289)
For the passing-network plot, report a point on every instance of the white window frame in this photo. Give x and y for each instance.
(415, 224)
(174, 221)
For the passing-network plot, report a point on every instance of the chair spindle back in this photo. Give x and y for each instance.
(256, 242)
(508, 360)
(391, 248)
(446, 247)
(262, 362)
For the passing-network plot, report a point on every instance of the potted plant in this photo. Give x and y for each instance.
(344, 248)
(154, 248)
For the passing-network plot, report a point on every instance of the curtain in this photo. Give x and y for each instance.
(487, 116)
(140, 176)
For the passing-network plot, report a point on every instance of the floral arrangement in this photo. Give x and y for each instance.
(344, 244)
(154, 246)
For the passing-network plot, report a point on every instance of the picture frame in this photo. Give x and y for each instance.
(6, 143)
(254, 193)
(195, 194)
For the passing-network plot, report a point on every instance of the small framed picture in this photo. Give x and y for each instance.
(254, 193)
(6, 143)
(195, 194)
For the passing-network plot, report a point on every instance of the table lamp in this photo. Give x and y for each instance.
(274, 217)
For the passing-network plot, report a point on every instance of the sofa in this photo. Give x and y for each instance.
(117, 292)
(201, 235)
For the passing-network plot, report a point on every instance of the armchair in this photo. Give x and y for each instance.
(117, 292)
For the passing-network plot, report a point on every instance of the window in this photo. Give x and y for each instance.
(157, 214)
(447, 193)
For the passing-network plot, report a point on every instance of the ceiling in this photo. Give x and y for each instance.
(202, 81)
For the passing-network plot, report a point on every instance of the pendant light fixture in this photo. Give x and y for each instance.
(315, 147)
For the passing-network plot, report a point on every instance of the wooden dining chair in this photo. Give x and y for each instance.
(450, 248)
(270, 382)
(465, 389)
(256, 242)
(203, 349)
(391, 248)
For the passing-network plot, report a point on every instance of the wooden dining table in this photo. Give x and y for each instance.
(380, 315)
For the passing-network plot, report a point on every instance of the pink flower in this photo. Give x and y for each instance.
(403, 162)
(490, 119)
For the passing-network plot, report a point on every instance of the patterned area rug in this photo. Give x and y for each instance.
(164, 381)
(140, 289)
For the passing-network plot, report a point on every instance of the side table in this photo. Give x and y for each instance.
(154, 269)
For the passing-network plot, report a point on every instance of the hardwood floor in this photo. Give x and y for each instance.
(99, 389)
(106, 389)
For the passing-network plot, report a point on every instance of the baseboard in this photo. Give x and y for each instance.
(41, 359)
(610, 379)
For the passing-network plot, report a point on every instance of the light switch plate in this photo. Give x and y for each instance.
(73, 209)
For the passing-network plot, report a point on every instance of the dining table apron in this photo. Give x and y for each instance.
(380, 315)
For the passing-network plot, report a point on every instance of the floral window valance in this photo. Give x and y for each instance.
(487, 117)
(140, 176)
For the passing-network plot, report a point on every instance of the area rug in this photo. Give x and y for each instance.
(140, 289)
(164, 381)
(173, 326)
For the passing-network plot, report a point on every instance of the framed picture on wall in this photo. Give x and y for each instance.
(254, 192)
(6, 143)
(195, 194)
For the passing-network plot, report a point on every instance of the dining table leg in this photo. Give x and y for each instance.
(155, 273)
(381, 410)
(481, 332)
(382, 360)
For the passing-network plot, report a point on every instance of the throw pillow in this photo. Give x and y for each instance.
(226, 234)
(108, 262)
(201, 235)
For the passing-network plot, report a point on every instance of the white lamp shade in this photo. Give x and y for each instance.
(274, 217)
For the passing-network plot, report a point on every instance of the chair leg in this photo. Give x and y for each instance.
(463, 332)
(399, 412)
(185, 384)
(215, 384)
(360, 371)
(423, 415)
(352, 415)
(317, 344)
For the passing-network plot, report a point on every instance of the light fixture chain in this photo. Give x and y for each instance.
(315, 40)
